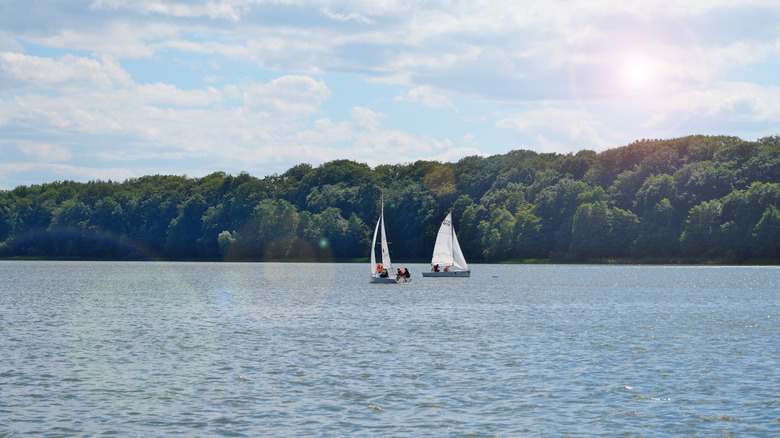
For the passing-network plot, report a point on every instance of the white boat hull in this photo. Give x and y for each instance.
(383, 279)
(375, 279)
(447, 274)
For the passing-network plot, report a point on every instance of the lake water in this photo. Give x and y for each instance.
(262, 349)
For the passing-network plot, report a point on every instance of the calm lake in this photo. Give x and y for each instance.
(267, 349)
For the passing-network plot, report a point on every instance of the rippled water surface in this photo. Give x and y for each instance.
(157, 349)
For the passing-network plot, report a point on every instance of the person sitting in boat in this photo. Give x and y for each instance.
(379, 268)
(407, 275)
(436, 268)
(399, 273)
(446, 268)
(383, 274)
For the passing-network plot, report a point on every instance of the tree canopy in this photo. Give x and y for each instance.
(691, 199)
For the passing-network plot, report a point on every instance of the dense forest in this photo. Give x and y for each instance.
(688, 200)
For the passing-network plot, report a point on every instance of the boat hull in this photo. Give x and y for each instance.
(447, 274)
(383, 280)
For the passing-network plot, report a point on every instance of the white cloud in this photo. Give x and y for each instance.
(46, 152)
(169, 94)
(347, 17)
(396, 146)
(325, 131)
(68, 72)
(555, 129)
(425, 96)
(229, 50)
(9, 43)
(114, 38)
(365, 140)
(59, 114)
(738, 54)
(289, 96)
(366, 118)
(741, 102)
(158, 119)
(225, 10)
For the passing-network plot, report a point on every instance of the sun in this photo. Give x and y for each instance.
(637, 71)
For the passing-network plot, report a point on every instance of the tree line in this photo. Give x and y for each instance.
(691, 199)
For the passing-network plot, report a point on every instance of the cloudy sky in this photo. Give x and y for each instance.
(114, 89)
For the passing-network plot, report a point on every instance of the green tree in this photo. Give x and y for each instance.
(658, 232)
(766, 235)
(333, 230)
(277, 224)
(357, 237)
(737, 153)
(510, 198)
(623, 232)
(702, 230)
(185, 235)
(623, 190)
(413, 215)
(530, 241)
(226, 240)
(469, 231)
(106, 219)
(556, 206)
(440, 180)
(5, 217)
(497, 235)
(475, 175)
(577, 165)
(66, 231)
(590, 231)
(653, 190)
(703, 181)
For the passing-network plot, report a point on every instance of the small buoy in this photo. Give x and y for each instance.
(495, 276)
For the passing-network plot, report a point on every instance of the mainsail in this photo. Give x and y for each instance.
(382, 272)
(385, 250)
(386, 263)
(446, 251)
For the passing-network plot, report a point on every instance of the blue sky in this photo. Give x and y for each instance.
(115, 89)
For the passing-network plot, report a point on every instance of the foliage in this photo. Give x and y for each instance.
(687, 199)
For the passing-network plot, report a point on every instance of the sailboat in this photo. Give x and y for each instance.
(382, 272)
(447, 260)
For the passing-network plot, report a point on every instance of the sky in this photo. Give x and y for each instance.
(117, 89)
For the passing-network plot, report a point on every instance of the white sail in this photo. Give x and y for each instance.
(373, 248)
(386, 264)
(442, 249)
(385, 250)
(458, 260)
(446, 250)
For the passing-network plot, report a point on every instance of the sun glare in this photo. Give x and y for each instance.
(637, 72)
